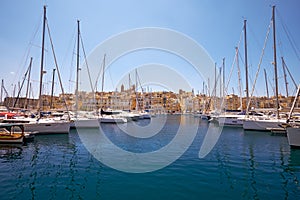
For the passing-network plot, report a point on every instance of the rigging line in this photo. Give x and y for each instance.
(28, 48)
(279, 44)
(86, 63)
(254, 36)
(98, 76)
(251, 80)
(215, 90)
(240, 86)
(272, 85)
(294, 91)
(111, 77)
(232, 66)
(241, 58)
(215, 86)
(230, 74)
(289, 36)
(7, 95)
(72, 64)
(291, 76)
(259, 64)
(139, 81)
(242, 61)
(20, 89)
(228, 80)
(73, 40)
(57, 69)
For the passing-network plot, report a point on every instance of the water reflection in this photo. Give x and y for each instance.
(10, 152)
(252, 171)
(294, 160)
(135, 137)
(249, 165)
(51, 167)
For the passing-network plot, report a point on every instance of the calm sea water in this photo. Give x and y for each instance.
(242, 165)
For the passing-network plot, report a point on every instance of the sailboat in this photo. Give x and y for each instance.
(108, 116)
(142, 113)
(42, 125)
(266, 123)
(234, 117)
(79, 121)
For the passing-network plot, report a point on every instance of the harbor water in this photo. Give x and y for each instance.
(242, 165)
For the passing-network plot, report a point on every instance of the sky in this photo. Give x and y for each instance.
(215, 25)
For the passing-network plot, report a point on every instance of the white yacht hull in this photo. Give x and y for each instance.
(112, 119)
(234, 121)
(84, 123)
(262, 125)
(42, 126)
(293, 135)
(47, 127)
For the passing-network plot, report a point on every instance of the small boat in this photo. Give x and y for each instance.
(11, 133)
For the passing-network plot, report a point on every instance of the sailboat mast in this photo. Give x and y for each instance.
(215, 83)
(42, 62)
(275, 62)
(102, 86)
(285, 79)
(2, 85)
(266, 80)
(208, 88)
(239, 77)
(220, 75)
(21, 86)
(287, 69)
(129, 84)
(52, 89)
(223, 91)
(246, 62)
(215, 87)
(28, 82)
(136, 92)
(222, 98)
(77, 69)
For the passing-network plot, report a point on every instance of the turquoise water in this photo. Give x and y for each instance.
(242, 165)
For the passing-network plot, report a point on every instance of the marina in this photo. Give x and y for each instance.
(242, 165)
(136, 108)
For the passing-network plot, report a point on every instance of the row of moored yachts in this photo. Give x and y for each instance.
(15, 128)
(259, 121)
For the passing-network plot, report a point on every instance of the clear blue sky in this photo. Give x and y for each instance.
(214, 24)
